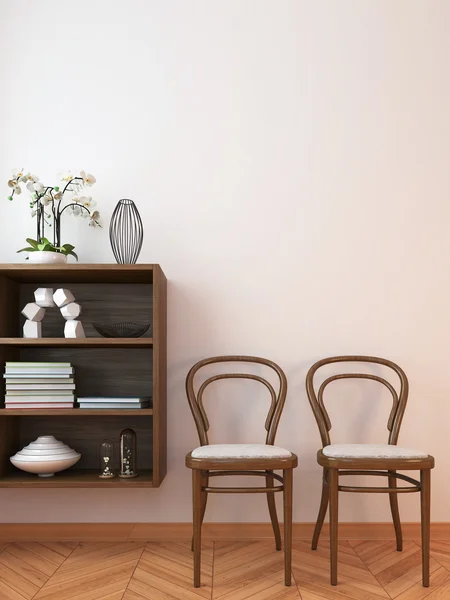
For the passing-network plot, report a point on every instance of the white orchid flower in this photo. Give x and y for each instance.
(17, 189)
(29, 177)
(46, 200)
(35, 186)
(87, 201)
(66, 176)
(57, 195)
(12, 183)
(87, 179)
(17, 174)
(94, 217)
(75, 210)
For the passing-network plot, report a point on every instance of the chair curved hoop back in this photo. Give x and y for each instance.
(196, 399)
(318, 406)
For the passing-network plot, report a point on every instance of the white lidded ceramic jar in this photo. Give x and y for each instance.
(44, 257)
(45, 457)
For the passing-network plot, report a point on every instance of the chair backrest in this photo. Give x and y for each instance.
(196, 399)
(318, 406)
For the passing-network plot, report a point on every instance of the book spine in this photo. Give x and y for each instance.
(40, 381)
(37, 376)
(38, 406)
(37, 364)
(32, 371)
(38, 399)
(22, 389)
(114, 406)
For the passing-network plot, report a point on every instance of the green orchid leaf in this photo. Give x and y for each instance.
(47, 247)
(28, 249)
(33, 243)
(67, 250)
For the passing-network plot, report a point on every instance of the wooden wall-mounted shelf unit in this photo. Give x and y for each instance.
(103, 366)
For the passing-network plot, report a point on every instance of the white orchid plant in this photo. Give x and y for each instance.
(48, 204)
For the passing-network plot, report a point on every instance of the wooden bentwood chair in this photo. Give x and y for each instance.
(369, 459)
(241, 459)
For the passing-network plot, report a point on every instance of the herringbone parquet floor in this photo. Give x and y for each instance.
(231, 570)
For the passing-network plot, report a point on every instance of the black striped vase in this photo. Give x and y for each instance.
(126, 232)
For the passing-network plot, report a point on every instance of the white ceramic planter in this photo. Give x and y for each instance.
(45, 457)
(44, 257)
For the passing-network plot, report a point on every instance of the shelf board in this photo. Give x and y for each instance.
(75, 412)
(78, 273)
(74, 478)
(141, 342)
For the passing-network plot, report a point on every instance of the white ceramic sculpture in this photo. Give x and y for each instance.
(33, 312)
(44, 297)
(71, 311)
(45, 457)
(32, 329)
(62, 297)
(74, 329)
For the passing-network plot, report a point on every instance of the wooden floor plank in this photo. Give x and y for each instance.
(234, 570)
(165, 571)
(438, 579)
(396, 571)
(311, 571)
(94, 572)
(253, 570)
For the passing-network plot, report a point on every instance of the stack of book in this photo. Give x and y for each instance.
(38, 385)
(114, 402)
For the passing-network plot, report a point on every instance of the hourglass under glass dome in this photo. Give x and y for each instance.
(128, 454)
(106, 460)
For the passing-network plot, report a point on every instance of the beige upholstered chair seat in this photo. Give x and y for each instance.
(237, 451)
(371, 451)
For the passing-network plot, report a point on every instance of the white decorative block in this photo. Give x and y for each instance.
(73, 329)
(44, 297)
(63, 297)
(32, 329)
(33, 312)
(71, 311)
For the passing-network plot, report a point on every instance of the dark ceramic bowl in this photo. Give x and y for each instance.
(121, 330)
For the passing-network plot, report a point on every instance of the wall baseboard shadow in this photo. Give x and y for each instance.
(11, 532)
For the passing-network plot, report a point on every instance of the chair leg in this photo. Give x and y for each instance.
(205, 480)
(273, 511)
(287, 501)
(393, 500)
(425, 493)
(197, 521)
(333, 482)
(322, 511)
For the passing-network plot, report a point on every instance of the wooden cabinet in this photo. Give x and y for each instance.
(103, 366)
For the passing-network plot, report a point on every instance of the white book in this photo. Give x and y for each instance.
(103, 399)
(37, 371)
(39, 380)
(54, 376)
(47, 387)
(114, 405)
(39, 406)
(38, 399)
(37, 364)
(40, 393)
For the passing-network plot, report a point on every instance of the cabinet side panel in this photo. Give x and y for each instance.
(9, 308)
(159, 376)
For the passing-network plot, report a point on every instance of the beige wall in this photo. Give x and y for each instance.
(291, 163)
